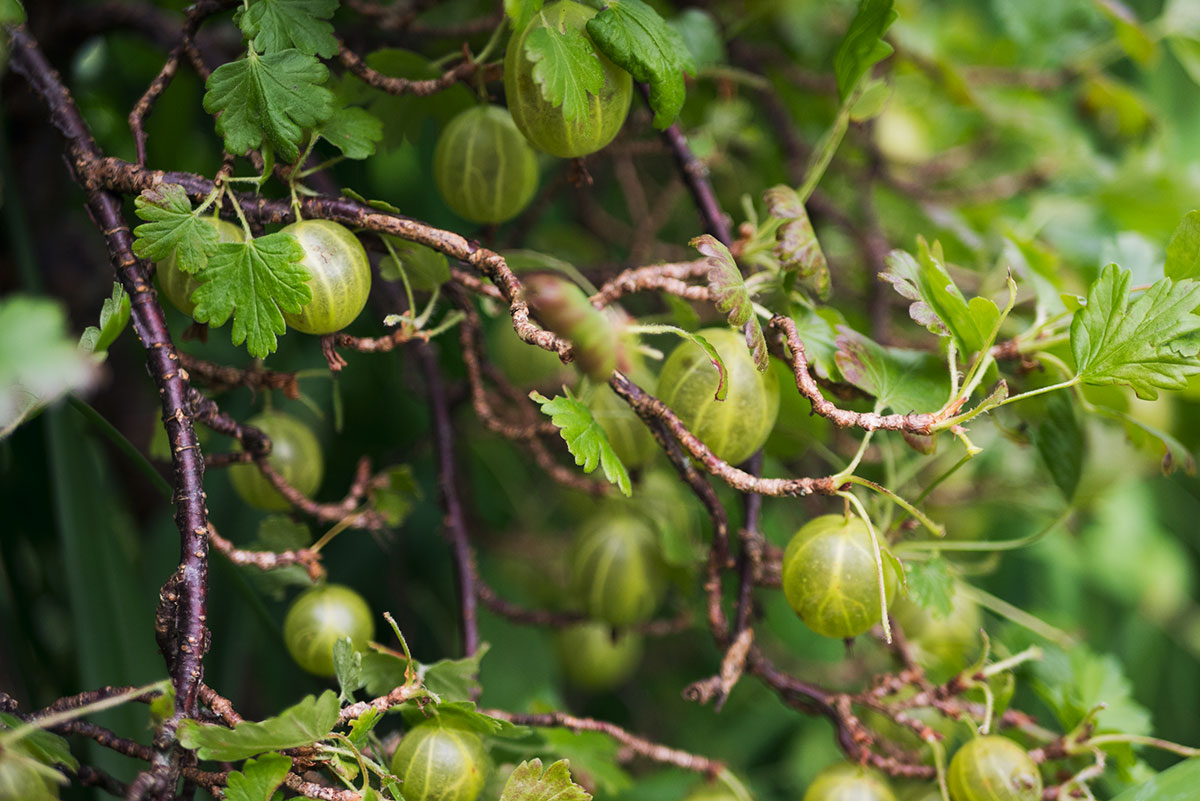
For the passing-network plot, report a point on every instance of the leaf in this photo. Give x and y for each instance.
(268, 98)
(1132, 37)
(354, 131)
(258, 779)
(1177, 783)
(454, 679)
(938, 304)
(931, 586)
(464, 714)
(593, 753)
(1059, 441)
(863, 47)
(380, 673)
(635, 38)
(1144, 344)
(425, 268)
(253, 281)
(903, 380)
(114, 316)
(566, 68)
(796, 245)
(701, 35)
(519, 12)
(362, 725)
(276, 25)
(818, 330)
(39, 361)
(172, 229)
(396, 499)
(44, 746)
(298, 726)
(729, 294)
(585, 438)
(1074, 683)
(528, 783)
(1183, 251)
(347, 665)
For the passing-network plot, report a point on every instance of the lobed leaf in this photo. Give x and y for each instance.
(635, 38)
(903, 380)
(296, 727)
(1059, 442)
(347, 666)
(796, 245)
(172, 229)
(252, 281)
(275, 25)
(566, 68)
(863, 47)
(585, 438)
(268, 99)
(528, 783)
(354, 131)
(1150, 344)
(930, 585)
(1177, 783)
(44, 746)
(729, 294)
(258, 779)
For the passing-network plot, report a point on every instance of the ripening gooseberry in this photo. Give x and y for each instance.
(483, 167)
(177, 285)
(339, 276)
(440, 761)
(321, 616)
(846, 782)
(593, 659)
(617, 571)
(295, 455)
(993, 768)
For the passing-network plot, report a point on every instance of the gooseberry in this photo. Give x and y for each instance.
(739, 425)
(628, 435)
(993, 768)
(321, 616)
(541, 121)
(830, 577)
(941, 644)
(339, 276)
(177, 285)
(617, 570)
(295, 455)
(846, 782)
(592, 659)
(483, 167)
(440, 761)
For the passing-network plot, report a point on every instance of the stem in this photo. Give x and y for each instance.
(113, 435)
(1031, 654)
(828, 146)
(1017, 615)
(11, 736)
(962, 418)
(878, 554)
(987, 545)
(1138, 739)
(934, 528)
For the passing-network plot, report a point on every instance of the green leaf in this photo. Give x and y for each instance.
(585, 438)
(863, 47)
(114, 316)
(425, 268)
(701, 35)
(1133, 38)
(354, 131)
(44, 746)
(347, 665)
(39, 360)
(11, 12)
(1183, 251)
(713, 356)
(380, 673)
(1059, 441)
(454, 679)
(253, 281)
(268, 99)
(593, 753)
(528, 783)
(635, 38)
(276, 25)
(1074, 683)
(258, 779)
(1144, 344)
(930, 585)
(566, 68)
(796, 245)
(938, 304)
(361, 726)
(519, 12)
(397, 498)
(1177, 783)
(818, 330)
(902, 380)
(172, 229)
(730, 296)
(298, 726)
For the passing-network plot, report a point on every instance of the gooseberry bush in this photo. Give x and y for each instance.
(609, 399)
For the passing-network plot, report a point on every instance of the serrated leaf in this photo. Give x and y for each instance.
(566, 68)
(1074, 683)
(268, 98)
(902, 380)
(796, 245)
(593, 753)
(818, 330)
(1145, 344)
(347, 666)
(636, 39)
(114, 316)
(1183, 251)
(258, 779)
(519, 12)
(354, 131)
(937, 303)
(585, 438)
(297, 726)
(1177, 783)
(44, 746)
(931, 586)
(361, 726)
(528, 783)
(730, 296)
(863, 47)
(1059, 442)
(454, 679)
(253, 281)
(172, 229)
(276, 25)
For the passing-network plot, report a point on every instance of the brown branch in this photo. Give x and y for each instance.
(671, 278)
(268, 560)
(255, 377)
(421, 88)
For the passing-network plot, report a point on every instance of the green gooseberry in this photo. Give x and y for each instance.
(295, 455)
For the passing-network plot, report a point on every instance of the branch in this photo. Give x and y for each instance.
(670, 278)
(403, 86)
(255, 377)
(268, 560)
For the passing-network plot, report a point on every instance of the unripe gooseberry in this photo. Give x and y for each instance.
(830, 578)
(739, 425)
(941, 644)
(993, 768)
(617, 571)
(564, 308)
(543, 123)
(339, 276)
(847, 782)
(628, 435)
(592, 659)
(483, 167)
(711, 791)
(177, 285)
(295, 455)
(321, 616)
(440, 761)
